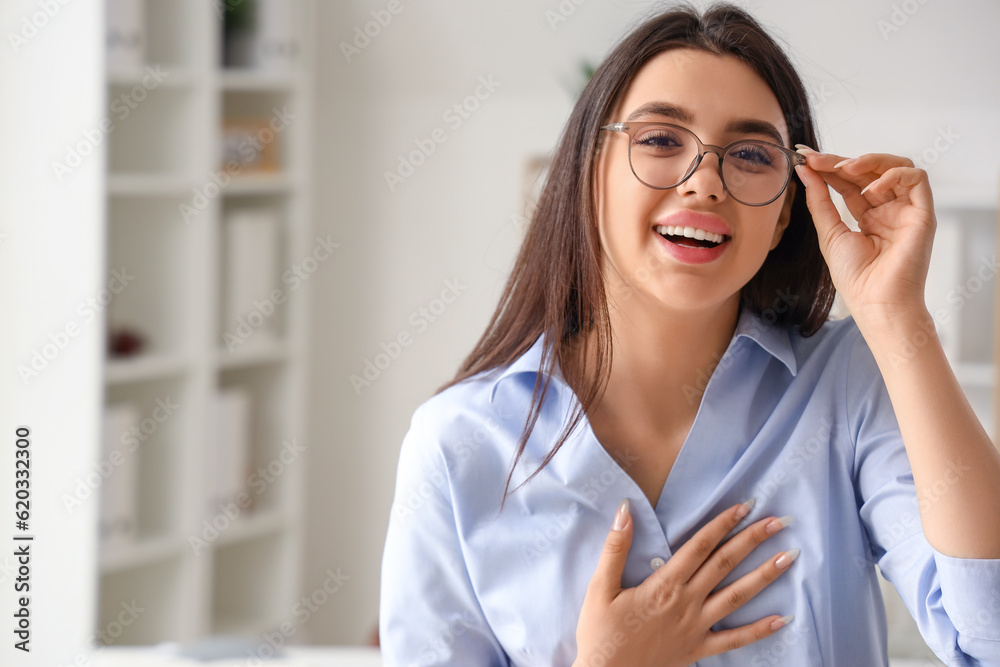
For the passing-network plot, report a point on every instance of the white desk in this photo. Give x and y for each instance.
(297, 657)
(326, 656)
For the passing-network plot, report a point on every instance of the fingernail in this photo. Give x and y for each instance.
(621, 516)
(868, 186)
(745, 508)
(786, 559)
(781, 622)
(774, 525)
(843, 162)
(805, 150)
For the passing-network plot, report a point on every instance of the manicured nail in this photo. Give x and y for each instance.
(774, 525)
(786, 559)
(782, 622)
(843, 162)
(802, 149)
(868, 186)
(621, 516)
(745, 508)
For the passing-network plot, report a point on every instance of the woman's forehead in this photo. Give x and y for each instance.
(711, 90)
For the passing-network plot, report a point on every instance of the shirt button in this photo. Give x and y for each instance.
(656, 563)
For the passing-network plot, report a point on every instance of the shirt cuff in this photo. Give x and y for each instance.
(970, 593)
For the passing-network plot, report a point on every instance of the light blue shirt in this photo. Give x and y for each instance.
(804, 425)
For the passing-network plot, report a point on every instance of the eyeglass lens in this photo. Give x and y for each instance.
(753, 172)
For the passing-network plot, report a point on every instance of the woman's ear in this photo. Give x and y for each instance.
(786, 214)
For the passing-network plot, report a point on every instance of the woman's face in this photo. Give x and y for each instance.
(714, 97)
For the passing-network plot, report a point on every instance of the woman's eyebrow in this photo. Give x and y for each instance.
(735, 126)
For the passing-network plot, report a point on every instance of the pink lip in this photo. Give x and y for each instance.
(692, 255)
(686, 218)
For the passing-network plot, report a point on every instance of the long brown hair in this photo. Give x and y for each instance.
(557, 287)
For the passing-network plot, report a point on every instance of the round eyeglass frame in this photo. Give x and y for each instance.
(703, 149)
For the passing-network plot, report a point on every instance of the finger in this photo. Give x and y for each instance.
(729, 555)
(900, 182)
(818, 161)
(686, 561)
(726, 600)
(607, 580)
(875, 164)
(857, 203)
(727, 640)
(825, 215)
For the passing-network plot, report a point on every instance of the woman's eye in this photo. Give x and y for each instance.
(659, 139)
(753, 154)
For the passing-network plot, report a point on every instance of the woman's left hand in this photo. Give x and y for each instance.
(880, 270)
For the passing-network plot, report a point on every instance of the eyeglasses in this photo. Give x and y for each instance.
(663, 156)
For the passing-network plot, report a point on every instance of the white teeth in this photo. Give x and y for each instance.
(690, 232)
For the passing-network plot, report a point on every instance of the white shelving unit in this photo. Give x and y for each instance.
(961, 291)
(161, 154)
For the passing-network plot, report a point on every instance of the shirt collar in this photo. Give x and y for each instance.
(772, 338)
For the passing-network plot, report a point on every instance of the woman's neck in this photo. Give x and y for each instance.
(661, 363)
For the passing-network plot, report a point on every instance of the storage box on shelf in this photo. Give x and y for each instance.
(199, 562)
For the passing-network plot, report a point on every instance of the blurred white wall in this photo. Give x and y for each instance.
(51, 262)
(887, 77)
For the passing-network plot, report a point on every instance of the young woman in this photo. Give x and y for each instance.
(661, 363)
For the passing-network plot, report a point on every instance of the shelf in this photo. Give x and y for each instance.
(141, 554)
(260, 184)
(981, 375)
(153, 74)
(248, 80)
(144, 367)
(149, 185)
(253, 355)
(243, 599)
(144, 605)
(252, 526)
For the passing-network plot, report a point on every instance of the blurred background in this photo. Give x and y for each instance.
(242, 240)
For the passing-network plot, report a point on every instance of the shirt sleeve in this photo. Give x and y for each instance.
(955, 601)
(428, 612)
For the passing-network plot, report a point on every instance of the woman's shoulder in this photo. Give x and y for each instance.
(838, 346)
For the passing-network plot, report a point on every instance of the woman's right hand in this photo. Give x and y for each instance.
(666, 620)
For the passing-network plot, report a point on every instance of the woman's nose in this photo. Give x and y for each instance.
(706, 181)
